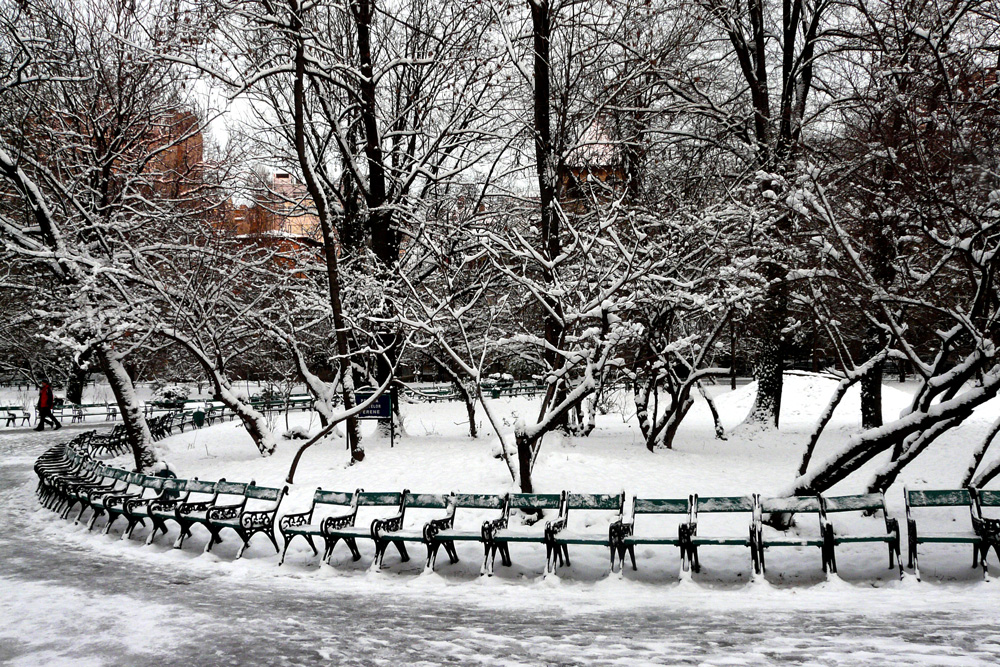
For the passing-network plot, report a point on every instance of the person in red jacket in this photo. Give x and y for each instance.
(46, 401)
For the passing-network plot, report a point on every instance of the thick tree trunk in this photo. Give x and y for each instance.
(766, 410)
(77, 382)
(871, 383)
(132, 417)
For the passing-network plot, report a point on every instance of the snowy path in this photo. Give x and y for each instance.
(92, 602)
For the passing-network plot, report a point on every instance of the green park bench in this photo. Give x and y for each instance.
(137, 510)
(497, 534)
(559, 535)
(626, 538)
(92, 477)
(97, 499)
(767, 537)
(255, 515)
(721, 505)
(344, 528)
(443, 532)
(867, 503)
(162, 511)
(191, 513)
(925, 498)
(393, 530)
(309, 524)
(11, 415)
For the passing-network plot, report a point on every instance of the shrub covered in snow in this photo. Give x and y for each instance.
(296, 433)
(171, 395)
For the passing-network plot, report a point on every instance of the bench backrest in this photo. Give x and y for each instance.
(369, 498)
(224, 488)
(541, 501)
(661, 505)
(723, 504)
(938, 498)
(989, 498)
(426, 501)
(195, 485)
(791, 504)
(265, 492)
(321, 497)
(153, 482)
(595, 501)
(478, 500)
(855, 503)
(174, 487)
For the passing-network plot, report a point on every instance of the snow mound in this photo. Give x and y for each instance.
(804, 396)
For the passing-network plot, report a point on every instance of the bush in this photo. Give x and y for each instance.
(171, 396)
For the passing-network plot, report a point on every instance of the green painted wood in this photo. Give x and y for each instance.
(948, 539)
(378, 498)
(426, 500)
(542, 501)
(199, 486)
(478, 500)
(661, 505)
(262, 493)
(721, 541)
(725, 504)
(322, 497)
(989, 498)
(863, 538)
(793, 504)
(594, 501)
(937, 498)
(855, 503)
(231, 488)
(639, 539)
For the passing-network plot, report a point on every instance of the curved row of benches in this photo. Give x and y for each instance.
(70, 479)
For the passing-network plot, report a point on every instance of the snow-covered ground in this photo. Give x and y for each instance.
(75, 597)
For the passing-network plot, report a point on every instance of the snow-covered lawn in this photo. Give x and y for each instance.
(83, 598)
(437, 456)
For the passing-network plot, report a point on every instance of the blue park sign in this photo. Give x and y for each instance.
(381, 407)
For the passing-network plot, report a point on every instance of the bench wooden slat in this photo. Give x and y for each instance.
(938, 498)
(542, 501)
(595, 501)
(661, 505)
(715, 504)
(854, 503)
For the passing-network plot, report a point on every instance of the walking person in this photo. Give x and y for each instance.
(46, 401)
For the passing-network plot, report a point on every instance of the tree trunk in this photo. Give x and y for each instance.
(524, 455)
(770, 358)
(78, 376)
(135, 423)
(871, 383)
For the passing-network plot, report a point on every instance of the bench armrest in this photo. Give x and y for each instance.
(258, 519)
(332, 523)
(552, 528)
(131, 504)
(618, 531)
(165, 505)
(117, 500)
(435, 526)
(188, 508)
(220, 512)
(296, 519)
(390, 525)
